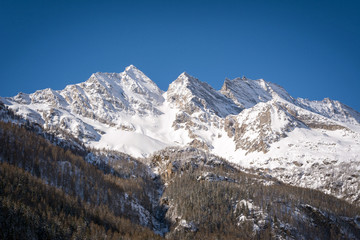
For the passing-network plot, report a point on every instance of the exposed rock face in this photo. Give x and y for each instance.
(258, 127)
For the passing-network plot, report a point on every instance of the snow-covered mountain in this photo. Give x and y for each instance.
(252, 123)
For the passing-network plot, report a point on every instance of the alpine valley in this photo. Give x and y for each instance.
(123, 159)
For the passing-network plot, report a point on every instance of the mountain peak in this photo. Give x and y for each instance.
(186, 79)
(247, 93)
(131, 68)
(190, 93)
(134, 72)
(185, 75)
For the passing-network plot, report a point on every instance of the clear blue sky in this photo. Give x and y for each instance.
(311, 48)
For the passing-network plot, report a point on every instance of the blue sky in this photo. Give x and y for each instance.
(311, 48)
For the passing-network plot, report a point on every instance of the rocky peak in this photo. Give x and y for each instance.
(246, 93)
(22, 98)
(131, 83)
(331, 109)
(184, 80)
(187, 77)
(131, 68)
(189, 92)
(136, 75)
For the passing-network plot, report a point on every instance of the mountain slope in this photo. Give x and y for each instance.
(252, 123)
(181, 193)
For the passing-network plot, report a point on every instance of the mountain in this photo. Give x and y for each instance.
(48, 191)
(254, 124)
(116, 157)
